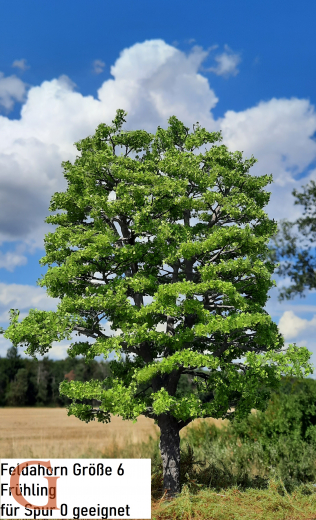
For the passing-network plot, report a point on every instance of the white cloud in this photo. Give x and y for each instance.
(24, 297)
(11, 89)
(98, 66)
(20, 64)
(12, 259)
(5, 345)
(291, 325)
(58, 350)
(227, 63)
(269, 132)
(154, 80)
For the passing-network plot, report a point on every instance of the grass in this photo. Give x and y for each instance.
(233, 504)
(224, 488)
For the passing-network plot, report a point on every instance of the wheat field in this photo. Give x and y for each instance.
(49, 432)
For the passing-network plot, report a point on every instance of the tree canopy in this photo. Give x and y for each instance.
(208, 281)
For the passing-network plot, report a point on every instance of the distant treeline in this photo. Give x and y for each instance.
(32, 382)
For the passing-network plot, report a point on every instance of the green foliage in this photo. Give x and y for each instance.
(291, 413)
(17, 394)
(295, 252)
(219, 324)
(9, 367)
(278, 442)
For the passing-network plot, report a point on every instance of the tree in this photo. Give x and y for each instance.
(14, 362)
(8, 370)
(42, 381)
(17, 392)
(297, 250)
(219, 267)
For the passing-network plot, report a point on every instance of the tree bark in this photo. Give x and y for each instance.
(170, 454)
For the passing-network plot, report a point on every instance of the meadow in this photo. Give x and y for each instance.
(223, 489)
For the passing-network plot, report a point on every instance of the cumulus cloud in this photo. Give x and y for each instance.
(291, 325)
(11, 89)
(269, 131)
(227, 63)
(153, 80)
(23, 297)
(98, 66)
(20, 64)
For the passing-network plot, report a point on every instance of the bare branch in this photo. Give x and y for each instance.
(89, 332)
(212, 307)
(215, 216)
(192, 372)
(144, 390)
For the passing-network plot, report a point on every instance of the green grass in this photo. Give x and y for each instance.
(233, 504)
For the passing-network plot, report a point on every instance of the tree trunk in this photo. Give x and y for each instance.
(170, 454)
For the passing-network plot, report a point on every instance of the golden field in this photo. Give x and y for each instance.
(49, 432)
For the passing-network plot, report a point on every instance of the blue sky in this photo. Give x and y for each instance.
(246, 68)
